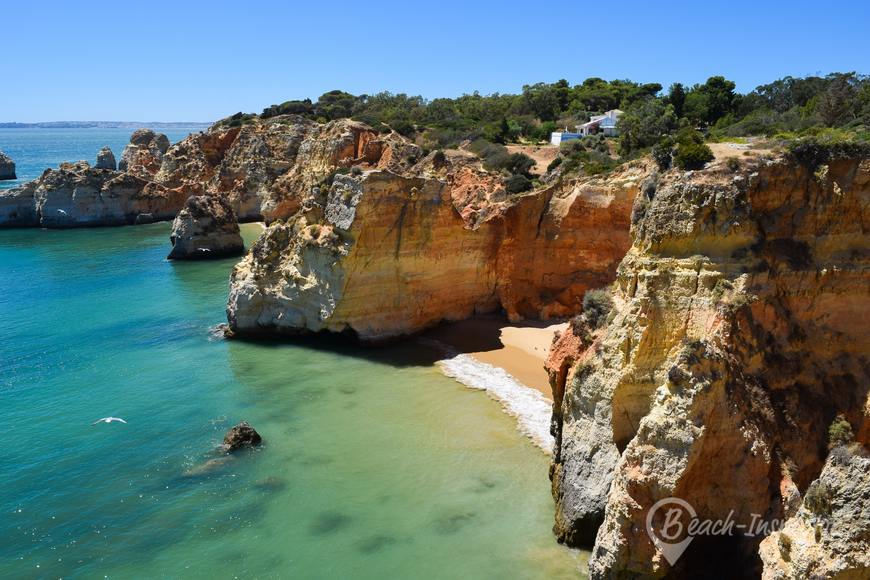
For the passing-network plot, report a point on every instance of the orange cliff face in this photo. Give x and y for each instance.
(738, 335)
(379, 255)
(266, 167)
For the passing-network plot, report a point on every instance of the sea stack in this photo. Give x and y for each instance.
(143, 156)
(106, 160)
(206, 227)
(7, 167)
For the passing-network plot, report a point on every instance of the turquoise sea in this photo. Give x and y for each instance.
(375, 465)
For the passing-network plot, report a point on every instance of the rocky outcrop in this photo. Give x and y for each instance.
(106, 160)
(241, 436)
(376, 255)
(267, 167)
(829, 536)
(206, 227)
(143, 156)
(75, 195)
(7, 167)
(735, 340)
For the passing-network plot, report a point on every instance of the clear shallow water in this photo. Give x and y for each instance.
(35, 150)
(375, 464)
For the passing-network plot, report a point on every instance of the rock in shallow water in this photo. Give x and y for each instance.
(241, 435)
(7, 167)
(206, 227)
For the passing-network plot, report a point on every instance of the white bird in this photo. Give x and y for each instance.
(108, 420)
(61, 211)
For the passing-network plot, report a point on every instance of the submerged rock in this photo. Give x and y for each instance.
(106, 160)
(206, 227)
(241, 435)
(7, 167)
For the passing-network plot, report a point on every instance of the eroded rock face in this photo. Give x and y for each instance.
(205, 228)
(241, 436)
(7, 167)
(75, 195)
(734, 343)
(143, 156)
(266, 168)
(829, 536)
(379, 255)
(106, 160)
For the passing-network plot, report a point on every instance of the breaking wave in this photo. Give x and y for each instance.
(531, 409)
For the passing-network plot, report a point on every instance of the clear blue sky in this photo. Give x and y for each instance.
(199, 61)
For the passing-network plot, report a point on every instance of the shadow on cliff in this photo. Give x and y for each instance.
(478, 334)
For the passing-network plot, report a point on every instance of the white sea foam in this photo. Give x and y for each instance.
(531, 409)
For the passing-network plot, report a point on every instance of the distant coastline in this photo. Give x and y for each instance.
(102, 125)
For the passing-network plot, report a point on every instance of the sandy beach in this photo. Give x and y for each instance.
(518, 348)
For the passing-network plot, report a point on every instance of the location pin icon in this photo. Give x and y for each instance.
(670, 547)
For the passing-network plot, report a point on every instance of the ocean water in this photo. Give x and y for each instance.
(35, 150)
(374, 465)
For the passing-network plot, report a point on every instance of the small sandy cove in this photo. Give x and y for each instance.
(519, 348)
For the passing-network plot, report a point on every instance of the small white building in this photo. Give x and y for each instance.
(559, 137)
(605, 123)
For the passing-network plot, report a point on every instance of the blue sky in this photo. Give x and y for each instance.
(200, 61)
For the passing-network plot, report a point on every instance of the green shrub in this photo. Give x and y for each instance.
(596, 306)
(237, 120)
(520, 163)
(289, 108)
(517, 184)
(554, 164)
(818, 498)
(662, 154)
(692, 155)
(572, 147)
(814, 151)
(840, 432)
(733, 164)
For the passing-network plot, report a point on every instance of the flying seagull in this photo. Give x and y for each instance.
(108, 420)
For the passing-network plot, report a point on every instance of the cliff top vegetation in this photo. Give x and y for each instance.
(830, 108)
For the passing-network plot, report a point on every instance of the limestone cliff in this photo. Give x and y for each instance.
(377, 254)
(738, 335)
(265, 168)
(143, 155)
(829, 536)
(75, 194)
(7, 167)
(106, 160)
(205, 228)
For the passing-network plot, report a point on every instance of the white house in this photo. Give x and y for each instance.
(605, 124)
